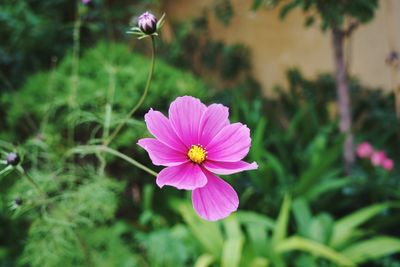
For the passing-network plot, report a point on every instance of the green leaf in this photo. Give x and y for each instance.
(256, 4)
(232, 249)
(259, 262)
(325, 187)
(309, 21)
(280, 231)
(372, 249)
(314, 248)
(208, 234)
(302, 215)
(321, 228)
(232, 253)
(344, 227)
(258, 138)
(287, 8)
(317, 171)
(256, 227)
(250, 218)
(275, 165)
(204, 260)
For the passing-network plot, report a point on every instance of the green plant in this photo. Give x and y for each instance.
(72, 195)
(341, 19)
(250, 239)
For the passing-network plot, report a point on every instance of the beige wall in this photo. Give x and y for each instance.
(277, 45)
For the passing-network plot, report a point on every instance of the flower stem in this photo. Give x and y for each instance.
(75, 70)
(5, 171)
(102, 148)
(30, 180)
(141, 100)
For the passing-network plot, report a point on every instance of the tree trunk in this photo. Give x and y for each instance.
(343, 98)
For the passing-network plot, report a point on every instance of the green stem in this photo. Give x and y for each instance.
(6, 170)
(102, 148)
(30, 180)
(107, 116)
(75, 69)
(141, 100)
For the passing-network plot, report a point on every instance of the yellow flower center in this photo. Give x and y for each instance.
(197, 154)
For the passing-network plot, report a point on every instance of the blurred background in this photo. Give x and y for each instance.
(316, 81)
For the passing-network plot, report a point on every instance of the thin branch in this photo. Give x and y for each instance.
(141, 100)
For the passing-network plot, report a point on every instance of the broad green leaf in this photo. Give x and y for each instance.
(302, 215)
(325, 187)
(295, 122)
(344, 227)
(275, 165)
(259, 262)
(232, 250)
(232, 253)
(258, 238)
(314, 248)
(280, 230)
(204, 260)
(207, 233)
(320, 228)
(317, 171)
(257, 139)
(249, 217)
(372, 249)
(232, 228)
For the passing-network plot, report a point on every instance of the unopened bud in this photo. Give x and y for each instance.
(18, 201)
(13, 159)
(147, 23)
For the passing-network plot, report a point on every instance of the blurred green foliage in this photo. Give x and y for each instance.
(299, 209)
(36, 33)
(103, 68)
(291, 133)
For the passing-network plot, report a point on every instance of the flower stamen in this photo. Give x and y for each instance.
(197, 154)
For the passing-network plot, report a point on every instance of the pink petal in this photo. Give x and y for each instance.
(185, 114)
(231, 144)
(214, 119)
(161, 154)
(364, 150)
(216, 200)
(160, 127)
(225, 168)
(187, 176)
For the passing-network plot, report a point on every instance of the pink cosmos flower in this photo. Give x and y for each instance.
(364, 150)
(378, 157)
(85, 2)
(195, 143)
(388, 164)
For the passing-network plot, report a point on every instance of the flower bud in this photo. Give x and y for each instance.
(13, 159)
(388, 164)
(364, 150)
(377, 158)
(18, 201)
(147, 23)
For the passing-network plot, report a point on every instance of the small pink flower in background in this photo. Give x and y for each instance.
(85, 2)
(377, 158)
(364, 150)
(195, 143)
(388, 164)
